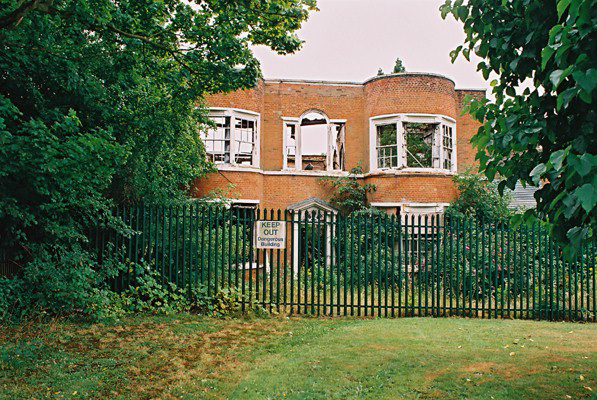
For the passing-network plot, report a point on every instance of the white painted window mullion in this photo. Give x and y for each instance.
(232, 138)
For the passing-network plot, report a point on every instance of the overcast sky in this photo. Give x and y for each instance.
(348, 40)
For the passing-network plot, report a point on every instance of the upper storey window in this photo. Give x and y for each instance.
(235, 138)
(313, 142)
(387, 146)
(413, 141)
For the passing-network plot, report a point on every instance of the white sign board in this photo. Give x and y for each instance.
(270, 234)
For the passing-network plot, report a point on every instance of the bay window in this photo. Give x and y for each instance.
(413, 141)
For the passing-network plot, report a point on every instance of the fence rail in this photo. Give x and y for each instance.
(367, 264)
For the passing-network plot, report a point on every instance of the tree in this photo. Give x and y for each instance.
(398, 67)
(546, 132)
(101, 103)
(380, 72)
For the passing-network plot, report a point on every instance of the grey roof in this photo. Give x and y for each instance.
(523, 197)
(311, 202)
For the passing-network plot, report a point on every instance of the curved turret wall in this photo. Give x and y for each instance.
(410, 93)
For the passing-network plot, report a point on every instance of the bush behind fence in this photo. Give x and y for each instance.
(367, 264)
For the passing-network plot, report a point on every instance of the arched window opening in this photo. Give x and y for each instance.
(314, 143)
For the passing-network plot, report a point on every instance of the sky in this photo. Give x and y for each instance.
(348, 40)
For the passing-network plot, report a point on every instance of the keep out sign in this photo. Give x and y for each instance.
(270, 234)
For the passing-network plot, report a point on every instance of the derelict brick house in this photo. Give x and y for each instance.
(276, 141)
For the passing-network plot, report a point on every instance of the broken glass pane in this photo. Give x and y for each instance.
(419, 144)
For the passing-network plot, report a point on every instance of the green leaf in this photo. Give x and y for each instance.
(546, 54)
(582, 165)
(556, 159)
(501, 187)
(562, 6)
(462, 12)
(466, 54)
(537, 172)
(454, 53)
(586, 80)
(587, 195)
(576, 235)
(481, 140)
(571, 204)
(445, 9)
(584, 96)
(558, 76)
(565, 97)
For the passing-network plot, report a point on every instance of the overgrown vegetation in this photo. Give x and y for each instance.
(478, 198)
(348, 195)
(545, 131)
(98, 107)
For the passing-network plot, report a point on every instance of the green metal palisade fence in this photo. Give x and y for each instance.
(367, 264)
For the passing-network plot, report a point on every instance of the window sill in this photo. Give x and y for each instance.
(412, 171)
(238, 168)
(231, 167)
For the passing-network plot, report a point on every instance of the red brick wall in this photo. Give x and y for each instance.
(280, 191)
(466, 128)
(419, 188)
(251, 100)
(294, 99)
(356, 103)
(396, 94)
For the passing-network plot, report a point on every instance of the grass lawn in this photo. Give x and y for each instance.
(189, 357)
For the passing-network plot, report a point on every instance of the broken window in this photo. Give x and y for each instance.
(387, 146)
(234, 138)
(447, 147)
(313, 143)
(245, 141)
(217, 140)
(337, 146)
(413, 141)
(419, 144)
(290, 152)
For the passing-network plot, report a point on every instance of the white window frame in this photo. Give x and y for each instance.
(399, 120)
(234, 114)
(298, 159)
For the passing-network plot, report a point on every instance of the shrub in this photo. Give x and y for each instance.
(478, 198)
(348, 195)
(56, 282)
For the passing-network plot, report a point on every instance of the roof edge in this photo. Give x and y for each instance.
(406, 74)
(354, 83)
(471, 90)
(313, 82)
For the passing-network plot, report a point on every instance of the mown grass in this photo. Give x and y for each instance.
(299, 358)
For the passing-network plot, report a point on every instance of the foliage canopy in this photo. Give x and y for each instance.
(548, 131)
(98, 105)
